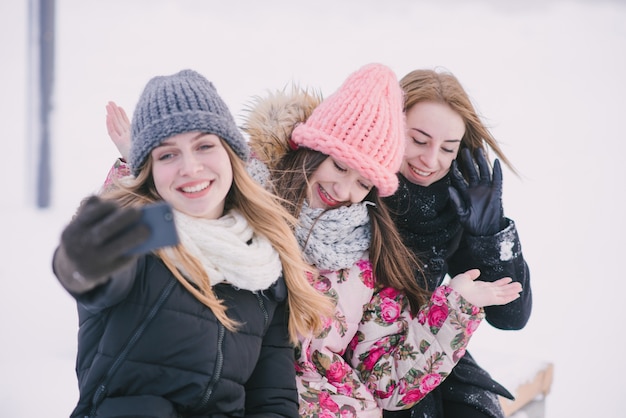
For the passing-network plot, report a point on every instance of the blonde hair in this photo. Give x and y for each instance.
(267, 216)
(443, 87)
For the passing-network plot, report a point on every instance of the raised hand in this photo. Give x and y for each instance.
(99, 237)
(478, 202)
(482, 293)
(118, 127)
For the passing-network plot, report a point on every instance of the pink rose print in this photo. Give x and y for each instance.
(327, 322)
(389, 310)
(322, 284)
(439, 296)
(372, 357)
(367, 276)
(388, 292)
(353, 342)
(336, 372)
(299, 369)
(385, 394)
(456, 356)
(308, 351)
(426, 384)
(472, 325)
(412, 396)
(437, 315)
(430, 381)
(421, 317)
(344, 389)
(327, 403)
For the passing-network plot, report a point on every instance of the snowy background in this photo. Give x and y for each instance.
(547, 75)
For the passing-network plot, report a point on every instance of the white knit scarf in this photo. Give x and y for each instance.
(229, 250)
(335, 238)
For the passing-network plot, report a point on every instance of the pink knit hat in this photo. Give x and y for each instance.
(361, 125)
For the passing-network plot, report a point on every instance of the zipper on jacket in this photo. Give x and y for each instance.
(262, 306)
(219, 364)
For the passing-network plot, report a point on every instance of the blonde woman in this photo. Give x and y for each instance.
(206, 327)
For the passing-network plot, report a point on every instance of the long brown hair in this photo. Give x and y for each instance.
(443, 87)
(267, 216)
(393, 264)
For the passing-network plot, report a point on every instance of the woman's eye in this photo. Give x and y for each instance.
(165, 156)
(365, 186)
(338, 167)
(205, 147)
(418, 142)
(448, 150)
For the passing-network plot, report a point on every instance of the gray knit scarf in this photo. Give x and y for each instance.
(336, 238)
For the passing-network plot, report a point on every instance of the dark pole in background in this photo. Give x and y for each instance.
(42, 16)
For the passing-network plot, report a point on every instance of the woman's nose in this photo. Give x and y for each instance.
(190, 164)
(347, 192)
(429, 157)
(342, 192)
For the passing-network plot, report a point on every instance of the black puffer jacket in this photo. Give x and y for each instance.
(429, 226)
(183, 355)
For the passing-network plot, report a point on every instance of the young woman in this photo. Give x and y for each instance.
(332, 163)
(451, 217)
(204, 328)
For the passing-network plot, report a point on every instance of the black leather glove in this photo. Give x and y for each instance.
(99, 237)
(478, 201)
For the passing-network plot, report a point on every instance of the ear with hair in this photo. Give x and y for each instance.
(270, 120)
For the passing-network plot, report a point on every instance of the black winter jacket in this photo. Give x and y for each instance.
(429, 226)
(184, 355)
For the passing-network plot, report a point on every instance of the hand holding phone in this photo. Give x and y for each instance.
(160, 220)
(104, 237)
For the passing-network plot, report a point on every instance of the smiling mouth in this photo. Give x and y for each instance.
(420, 172)
(196, 188)
(326, 198)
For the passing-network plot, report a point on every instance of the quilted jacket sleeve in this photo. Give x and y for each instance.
(95, 299)
(497, 256)
(373, 354)
(327, 383)
(401, 358)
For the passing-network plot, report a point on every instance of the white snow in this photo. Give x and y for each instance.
(506, 250)
(547, 75)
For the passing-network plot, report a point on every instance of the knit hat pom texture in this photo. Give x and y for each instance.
(361, 125)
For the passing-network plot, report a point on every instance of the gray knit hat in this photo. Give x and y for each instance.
(176, 104)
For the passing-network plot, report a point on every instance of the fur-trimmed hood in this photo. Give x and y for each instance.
(269, 121)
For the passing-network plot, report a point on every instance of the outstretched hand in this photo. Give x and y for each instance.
(478, 202)
(100, 236)
(480, 293)
(118, 127)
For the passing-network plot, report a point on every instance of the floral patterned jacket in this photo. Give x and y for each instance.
(373, 354)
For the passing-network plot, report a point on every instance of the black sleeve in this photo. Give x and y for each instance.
(105, 294)
(497, 256)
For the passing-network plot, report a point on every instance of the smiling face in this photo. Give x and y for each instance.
(193, 173)
(334, 184)
(434, 133)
